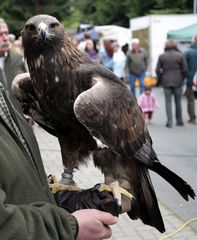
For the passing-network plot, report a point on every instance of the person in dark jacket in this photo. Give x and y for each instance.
(171, 70)
(27, 207)
(191, 58)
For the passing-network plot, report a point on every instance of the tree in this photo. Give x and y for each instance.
(172, 7)
(16, 12)
(97, 12)
(103, 12)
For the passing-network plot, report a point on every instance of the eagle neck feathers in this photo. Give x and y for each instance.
(62, 53)
(72, 55)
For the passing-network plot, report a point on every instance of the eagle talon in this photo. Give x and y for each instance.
(116, 190)
(96, 187)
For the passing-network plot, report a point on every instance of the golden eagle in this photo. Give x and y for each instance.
(91, 112)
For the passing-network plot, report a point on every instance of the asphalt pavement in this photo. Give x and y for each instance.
(176, 149)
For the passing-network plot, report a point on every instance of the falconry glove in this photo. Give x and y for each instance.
(87, 199)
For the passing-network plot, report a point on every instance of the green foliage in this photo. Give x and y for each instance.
(110, 12)
(172, 7)
(97, 12)
(16, 12)
(72, 22)
(103, 12)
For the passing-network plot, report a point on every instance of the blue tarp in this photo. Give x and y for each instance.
(93, 34)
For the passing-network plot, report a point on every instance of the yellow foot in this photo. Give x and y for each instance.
(56, 186)
(116, 190)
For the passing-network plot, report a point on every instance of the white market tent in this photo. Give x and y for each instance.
(112, 32)
(153, 30)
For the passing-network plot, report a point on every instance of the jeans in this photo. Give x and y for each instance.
(132, 79)
(177, 92)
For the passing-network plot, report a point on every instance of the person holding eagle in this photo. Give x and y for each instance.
(92, 113)
(27, 207)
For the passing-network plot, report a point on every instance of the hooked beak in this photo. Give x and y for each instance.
(43, 31)
(43, 36)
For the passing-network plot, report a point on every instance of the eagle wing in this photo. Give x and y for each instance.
(111, 114)
(24, 92)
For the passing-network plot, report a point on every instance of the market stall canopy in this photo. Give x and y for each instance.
(183, 34)
(112, 32)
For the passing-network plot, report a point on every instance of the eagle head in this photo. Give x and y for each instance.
(41, 31)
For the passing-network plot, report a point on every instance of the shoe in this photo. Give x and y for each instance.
(168, 125)
(180, 124)
(192, 121)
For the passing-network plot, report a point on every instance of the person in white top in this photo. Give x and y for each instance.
(119, 60)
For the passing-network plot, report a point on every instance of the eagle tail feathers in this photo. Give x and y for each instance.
(183, 188)
(145, 205)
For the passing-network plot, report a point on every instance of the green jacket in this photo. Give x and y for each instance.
(27, 207)
(14, 64)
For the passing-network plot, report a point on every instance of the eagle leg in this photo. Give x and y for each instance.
(116, 190)
(67, 178)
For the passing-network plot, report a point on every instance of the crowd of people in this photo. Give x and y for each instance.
(30, 203)
(128, 65)
(173, 69)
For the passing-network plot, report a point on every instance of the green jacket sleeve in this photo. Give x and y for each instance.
(27, 208)
(40, 220)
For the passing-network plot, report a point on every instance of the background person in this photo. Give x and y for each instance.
(171, 70)
(11, 62)
(119, 61)
(106, 52)
(82, 45)
(91, 50)
(191, 58)
(148, 103)
(136, 65)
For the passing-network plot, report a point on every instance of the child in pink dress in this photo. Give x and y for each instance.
(148, 103)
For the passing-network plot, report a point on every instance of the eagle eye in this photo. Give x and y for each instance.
(53, 25)
(30, 27)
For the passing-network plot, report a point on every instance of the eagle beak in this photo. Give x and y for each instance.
(43, 31)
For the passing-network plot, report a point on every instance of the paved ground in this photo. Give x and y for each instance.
(176, 149)
(125, 229)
